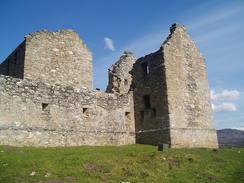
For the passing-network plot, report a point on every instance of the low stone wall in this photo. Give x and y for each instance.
(37, 114)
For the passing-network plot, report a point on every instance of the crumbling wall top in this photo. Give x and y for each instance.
(120, 73)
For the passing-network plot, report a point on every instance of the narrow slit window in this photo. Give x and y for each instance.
(145, 68)
(147, 103)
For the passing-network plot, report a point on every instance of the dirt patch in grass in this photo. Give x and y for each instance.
(89, 167)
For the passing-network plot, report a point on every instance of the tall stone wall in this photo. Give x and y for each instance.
(188, 93)
(53, 57)
(171, 95)
(58, 58)
(150, 100)
(33, 113)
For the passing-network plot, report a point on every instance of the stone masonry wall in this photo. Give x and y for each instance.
(58, 58)
(171, 95)
(150, 100)
(162, 97)
(189, 104)
(120, 77)
(36, 114)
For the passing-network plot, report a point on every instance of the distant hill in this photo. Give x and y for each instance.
(230, 138)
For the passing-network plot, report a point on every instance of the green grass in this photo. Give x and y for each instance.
(130, 164)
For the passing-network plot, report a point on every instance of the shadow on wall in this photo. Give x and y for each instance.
(150, 100)
(13, 65)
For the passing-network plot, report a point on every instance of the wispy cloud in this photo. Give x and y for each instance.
(218, 32)
(225, 95)
(225, 106)
(215, 16)
(109, 44)
(224, 100)
(238, 128)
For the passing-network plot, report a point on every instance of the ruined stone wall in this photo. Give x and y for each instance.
(120, 77)
(58, 58)
(164, 97)
(171, 95)
(52, 57)
(13, 65)
(33, 113)
(150, 100)
(188, 93)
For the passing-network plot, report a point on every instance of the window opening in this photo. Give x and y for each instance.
(127, 115)
(45, 107)
(85, 110)
(146, 100)
(145, 68)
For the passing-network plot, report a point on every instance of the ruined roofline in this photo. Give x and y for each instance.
(174, 27)
(183, 30)
(121, 59)
(57, 33)
(52, 57)
(50, 32)
(45, 31)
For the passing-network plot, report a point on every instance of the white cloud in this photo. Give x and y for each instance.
(225, 95)
(109, 44)
(238, 128)
(225, 106)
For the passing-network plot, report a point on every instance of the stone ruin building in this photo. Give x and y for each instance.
(46, 96)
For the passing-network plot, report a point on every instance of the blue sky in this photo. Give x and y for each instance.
(110, 27)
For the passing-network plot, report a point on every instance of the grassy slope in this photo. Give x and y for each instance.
(134, 163)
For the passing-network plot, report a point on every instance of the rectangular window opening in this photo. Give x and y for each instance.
(147, 103)
(85, 110)
(127, 115)
(45, 106)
